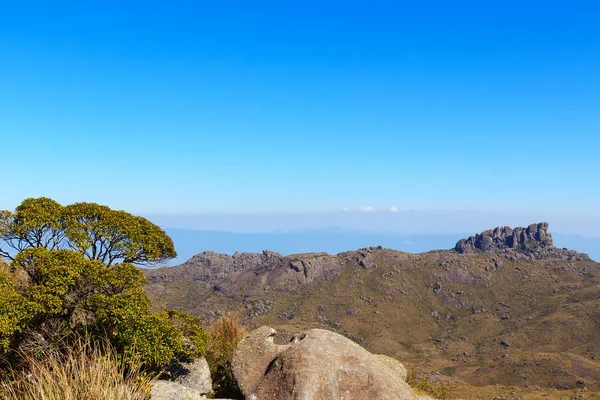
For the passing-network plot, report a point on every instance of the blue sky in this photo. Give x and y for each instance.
(193, 107)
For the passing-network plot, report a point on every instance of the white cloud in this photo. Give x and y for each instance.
(393, 209)
(346, 209)
(366, 209)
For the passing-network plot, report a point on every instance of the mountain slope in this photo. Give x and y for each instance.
(512, 316)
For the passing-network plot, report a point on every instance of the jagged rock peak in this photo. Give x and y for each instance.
(533, 242)
(521, 238)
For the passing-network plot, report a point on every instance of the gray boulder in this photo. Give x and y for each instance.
(195, 375)
(167, 390)
(317, 364)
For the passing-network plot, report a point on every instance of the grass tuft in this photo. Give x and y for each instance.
(83, 372)
(223, 335)
(424, 386)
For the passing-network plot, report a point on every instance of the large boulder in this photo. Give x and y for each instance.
(317, 364)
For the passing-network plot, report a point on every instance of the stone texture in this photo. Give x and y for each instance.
(166, 390)
(260, 273)
(195, 375)
(317, 364)
(533, 242)
(257, 272)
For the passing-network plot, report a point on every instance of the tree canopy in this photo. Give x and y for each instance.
(96, 231)
(72, 273)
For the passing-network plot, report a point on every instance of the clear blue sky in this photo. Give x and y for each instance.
(292, 107)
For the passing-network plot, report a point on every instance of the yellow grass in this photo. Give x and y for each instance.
(84, 372)
(223, 335)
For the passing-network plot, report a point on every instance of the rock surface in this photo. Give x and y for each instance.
(533, 241)
(258, 273)
(317, 364)
(166, 390)
(195, 375)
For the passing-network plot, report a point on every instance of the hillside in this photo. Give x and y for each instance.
(503, 308)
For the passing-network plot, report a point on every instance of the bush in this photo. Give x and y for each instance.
(223, 335)
(87, 370)
(423, 385)
(72, 273)
(66, 293)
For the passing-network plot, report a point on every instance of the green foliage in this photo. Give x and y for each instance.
(139, 335)
(35, 223)
(14, 312)
(194, 337)
(96, 231)
(109, 235)
(424, 385)
(73, 274)
(58, 280)
(151, 339)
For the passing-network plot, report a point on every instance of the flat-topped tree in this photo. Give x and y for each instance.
(72, 273)
(96, 231)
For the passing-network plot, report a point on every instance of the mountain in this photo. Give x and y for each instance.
(333, 241)
(503, 314)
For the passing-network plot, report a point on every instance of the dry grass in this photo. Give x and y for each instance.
(223, 335)
(84, 372)
(551, 309)
(4, 267)
(424, 386)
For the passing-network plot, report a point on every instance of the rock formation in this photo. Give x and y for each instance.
(192, 381)
(534, 242)
(166, 390)
(258, 272)
(195, 375)
(317, 364)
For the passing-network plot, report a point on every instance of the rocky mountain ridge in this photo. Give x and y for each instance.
(511, 316)
(272, 271)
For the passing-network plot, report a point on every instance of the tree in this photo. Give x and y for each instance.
(96, 231)
(72, 273)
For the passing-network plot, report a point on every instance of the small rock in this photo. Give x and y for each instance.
(195, 375)
(166, 390)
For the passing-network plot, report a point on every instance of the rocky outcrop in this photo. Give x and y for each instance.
(533, 241)
(257, 273)
(212, 267)
(317, 364)
(506, 237)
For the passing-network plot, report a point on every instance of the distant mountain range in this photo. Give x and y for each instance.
(333, 241)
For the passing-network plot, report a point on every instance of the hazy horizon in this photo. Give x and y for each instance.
(402, 222)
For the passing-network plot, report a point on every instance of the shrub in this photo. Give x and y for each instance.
(223, 335)
(88, 370)
(67, 293)
(73, 273)
(423, 385)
